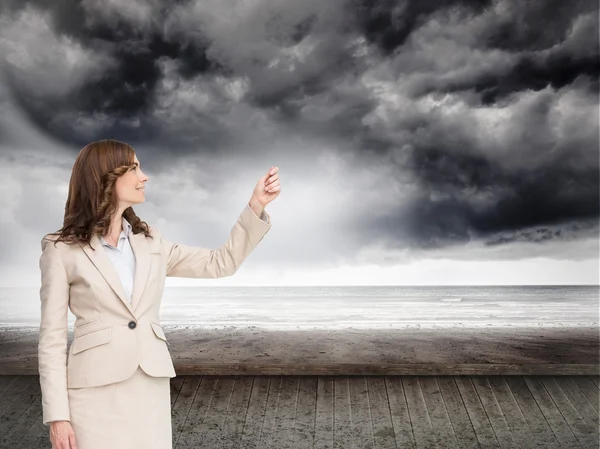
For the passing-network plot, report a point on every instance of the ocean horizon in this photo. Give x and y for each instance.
(360, 307)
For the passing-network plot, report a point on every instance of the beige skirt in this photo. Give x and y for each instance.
(132, 414)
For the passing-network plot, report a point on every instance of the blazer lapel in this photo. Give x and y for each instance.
(106, 268)
(139, 245)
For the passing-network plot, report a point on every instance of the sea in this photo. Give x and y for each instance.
(356, 307)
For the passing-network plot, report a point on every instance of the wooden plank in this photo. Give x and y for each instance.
(13, 392)
(255, 414)
(481, 424)
(493, 411)
(194, 423)
(442, 426)
(540, 428)
(365, 369)
(557, 423)
(362, 429)
(5, 382)
(419, 418)
(461, 423)
(579, 401)
(589, 389)
(17, 430)
(282, 435)
(324, 420)
(175, 387)
(268, 426)
(342, 425)
(403, 431)
(182, 405)
(596, 379)
(381, 417)
(521, 433)
(236, 416)
(584, 432)
(17, 407)
(210, 432)
(37, 436)
(304, 425)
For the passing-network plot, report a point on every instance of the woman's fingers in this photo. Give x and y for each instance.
(272, 179)
(270, 186)
(72, 440)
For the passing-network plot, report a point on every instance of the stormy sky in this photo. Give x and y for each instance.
(419, 142)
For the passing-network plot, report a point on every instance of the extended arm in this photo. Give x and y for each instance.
(196, 262)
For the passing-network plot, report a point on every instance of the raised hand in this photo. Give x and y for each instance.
(268, 187)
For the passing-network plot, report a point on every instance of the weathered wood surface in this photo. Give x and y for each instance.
(352, 412)
(453, 351)
(356, 369)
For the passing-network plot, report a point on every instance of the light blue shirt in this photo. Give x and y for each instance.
(122, 258)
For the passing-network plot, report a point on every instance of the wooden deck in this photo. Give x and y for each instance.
(351, 412)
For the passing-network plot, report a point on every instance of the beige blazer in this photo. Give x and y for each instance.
(112, 337)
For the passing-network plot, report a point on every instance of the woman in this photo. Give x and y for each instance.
(108, 267)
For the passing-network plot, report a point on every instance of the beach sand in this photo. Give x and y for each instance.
(194, 346)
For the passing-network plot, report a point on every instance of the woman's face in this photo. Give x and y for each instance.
(130, 186)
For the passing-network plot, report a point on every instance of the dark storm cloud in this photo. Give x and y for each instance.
(532, 32)
(488, 107)
(549, 63)
(388, 23)
(518, 199)
(125, 90)
(529, 73)
(534, 25)
(547, 175)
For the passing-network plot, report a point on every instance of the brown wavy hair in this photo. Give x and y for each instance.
(92, 200)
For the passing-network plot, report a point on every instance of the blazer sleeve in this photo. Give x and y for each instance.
(196, 262)
(52, 346)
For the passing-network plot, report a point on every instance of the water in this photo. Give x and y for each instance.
(381, 307)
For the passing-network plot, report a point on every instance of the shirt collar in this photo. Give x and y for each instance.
(126, 227)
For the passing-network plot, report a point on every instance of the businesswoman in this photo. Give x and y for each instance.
(111, 390)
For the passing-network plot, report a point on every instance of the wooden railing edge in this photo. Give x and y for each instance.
(348, 369)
